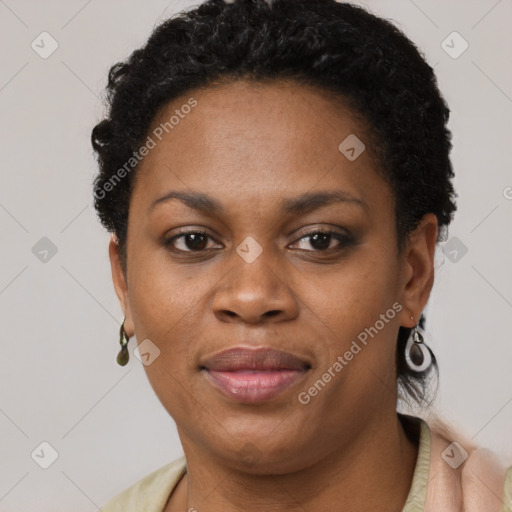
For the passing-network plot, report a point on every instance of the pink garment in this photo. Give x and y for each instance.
(460, 484)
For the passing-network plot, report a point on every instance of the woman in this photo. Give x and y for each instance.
(275, 176)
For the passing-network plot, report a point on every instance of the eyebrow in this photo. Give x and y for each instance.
(304, 203)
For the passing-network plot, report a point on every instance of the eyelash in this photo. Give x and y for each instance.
(345, 240)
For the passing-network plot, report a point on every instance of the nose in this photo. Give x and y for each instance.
(254, 293)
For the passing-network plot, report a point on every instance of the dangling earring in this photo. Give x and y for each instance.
(417, 353)
(123, 356)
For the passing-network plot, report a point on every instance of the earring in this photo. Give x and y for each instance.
(123, 356)
(417, 353)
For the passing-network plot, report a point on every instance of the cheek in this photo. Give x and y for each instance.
(168, 304)
(362, 290)
(165, 308)
(160, 294)
(351, 306)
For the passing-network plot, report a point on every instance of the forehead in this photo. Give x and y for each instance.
(255, 140)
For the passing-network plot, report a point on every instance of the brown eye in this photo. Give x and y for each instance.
(192, 241)
(322, 240)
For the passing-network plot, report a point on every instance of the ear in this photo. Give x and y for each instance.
(120, 284)
(418, 269)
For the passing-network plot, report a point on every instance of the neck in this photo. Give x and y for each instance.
(374, 472)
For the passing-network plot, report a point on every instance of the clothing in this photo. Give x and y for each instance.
(478, 484)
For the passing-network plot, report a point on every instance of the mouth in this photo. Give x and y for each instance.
(254, 375)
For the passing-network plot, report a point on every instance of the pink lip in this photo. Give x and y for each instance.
(254, 375)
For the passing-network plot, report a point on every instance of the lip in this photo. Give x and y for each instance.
(254, 375)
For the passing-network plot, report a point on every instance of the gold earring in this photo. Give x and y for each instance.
(123, 356)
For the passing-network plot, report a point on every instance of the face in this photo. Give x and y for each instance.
(299, 254)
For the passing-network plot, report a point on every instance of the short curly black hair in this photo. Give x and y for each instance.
(340, 48)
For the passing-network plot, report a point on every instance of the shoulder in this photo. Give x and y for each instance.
(486, 480)
(464, 475)
(149, 493)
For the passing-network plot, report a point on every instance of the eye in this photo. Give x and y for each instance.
(197, 241)
(321, 240)
(191, 241)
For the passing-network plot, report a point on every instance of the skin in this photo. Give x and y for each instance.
(250, 146)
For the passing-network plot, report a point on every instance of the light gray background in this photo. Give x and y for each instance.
(60, 318)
